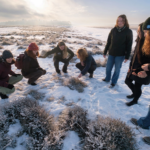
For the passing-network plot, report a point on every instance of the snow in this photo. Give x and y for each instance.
(97, 98)
(71, 141)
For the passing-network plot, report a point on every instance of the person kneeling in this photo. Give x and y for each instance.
(60, 55)
(31, 68)
(87, 63)
(6, 82)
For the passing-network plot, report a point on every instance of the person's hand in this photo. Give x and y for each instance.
(82, 64)
(142, 74)
(134, 73)
(104, 56)
(10, 86)
(145, 67)
(80, 75)
(128, 70)
(125, 60)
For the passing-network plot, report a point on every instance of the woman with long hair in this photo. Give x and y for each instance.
(60, 55)
(87, 63)
(119, 46)
(31, 68)
(136, 72)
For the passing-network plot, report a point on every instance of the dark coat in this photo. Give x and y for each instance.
(5, 70)
(119, 43)
(89, 61)
(30, 65)
(135, 64)
(58, 53)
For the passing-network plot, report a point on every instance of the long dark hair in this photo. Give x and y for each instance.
(140, 42)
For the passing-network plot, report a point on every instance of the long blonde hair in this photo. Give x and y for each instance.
(65, 52)
(124, 19)
(82, 54)
(146, 46)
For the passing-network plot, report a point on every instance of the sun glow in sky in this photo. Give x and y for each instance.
(78, 12)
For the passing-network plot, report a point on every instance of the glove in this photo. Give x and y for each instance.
(10, 86)
(15, 75)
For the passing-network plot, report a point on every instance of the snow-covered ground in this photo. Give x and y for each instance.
(97, 98)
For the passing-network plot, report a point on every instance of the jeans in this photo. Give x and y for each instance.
(144, 122)
(117, 61)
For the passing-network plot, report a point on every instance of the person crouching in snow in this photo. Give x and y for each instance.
(31, 69)
(6, 82)
(60, 55)
(136, 72)
(87, 63)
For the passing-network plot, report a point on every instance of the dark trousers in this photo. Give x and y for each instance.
(91, 69)
(135, 88)
(56, 64)
(34, 75)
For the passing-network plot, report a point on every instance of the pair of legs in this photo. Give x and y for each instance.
(113, 61)
(135, 88)
(34, 76)
(56, 64)
(12, 80)
(91, 69)
(143, 122)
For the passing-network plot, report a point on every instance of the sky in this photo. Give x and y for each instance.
(77, 12)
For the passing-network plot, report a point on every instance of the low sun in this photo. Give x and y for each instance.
(37, 4)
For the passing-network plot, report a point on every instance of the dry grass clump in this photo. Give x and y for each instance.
(109, 134)
(100, 63)
(36, 95)
(74, 118)
(75, 84)
(36, 122)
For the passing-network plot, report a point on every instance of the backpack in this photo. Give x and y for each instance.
(19, 61)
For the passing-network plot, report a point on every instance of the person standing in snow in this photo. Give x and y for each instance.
(140, 58)
(60, 55)
(87, 63)
(119, 44)
(31, 69)
(6, 82)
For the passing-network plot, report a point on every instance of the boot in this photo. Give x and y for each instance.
(112, 85)
(3, 96)
(104, 80)
(146, 140)
(58, 71)
(130, 96)
(134, 121)
(131, 103)
(91, 75)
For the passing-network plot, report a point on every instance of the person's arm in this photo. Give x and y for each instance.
(108, 43)
(87, 66)
(49, 53)
(71, 54)
(129, 41)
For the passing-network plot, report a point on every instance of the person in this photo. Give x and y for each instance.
(136, 73)
(119, 44)
(144, 122)
(31, 68)
(6, 82)
(87, 63)
(60, 55)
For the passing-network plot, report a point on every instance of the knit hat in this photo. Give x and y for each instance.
(146, 25)
(7, 54)
(33, 47)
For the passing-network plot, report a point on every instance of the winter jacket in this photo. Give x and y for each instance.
(5, 71)
(89, 61)
(30, 65)
(58, 53)
(119, 43)
(135, 64)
